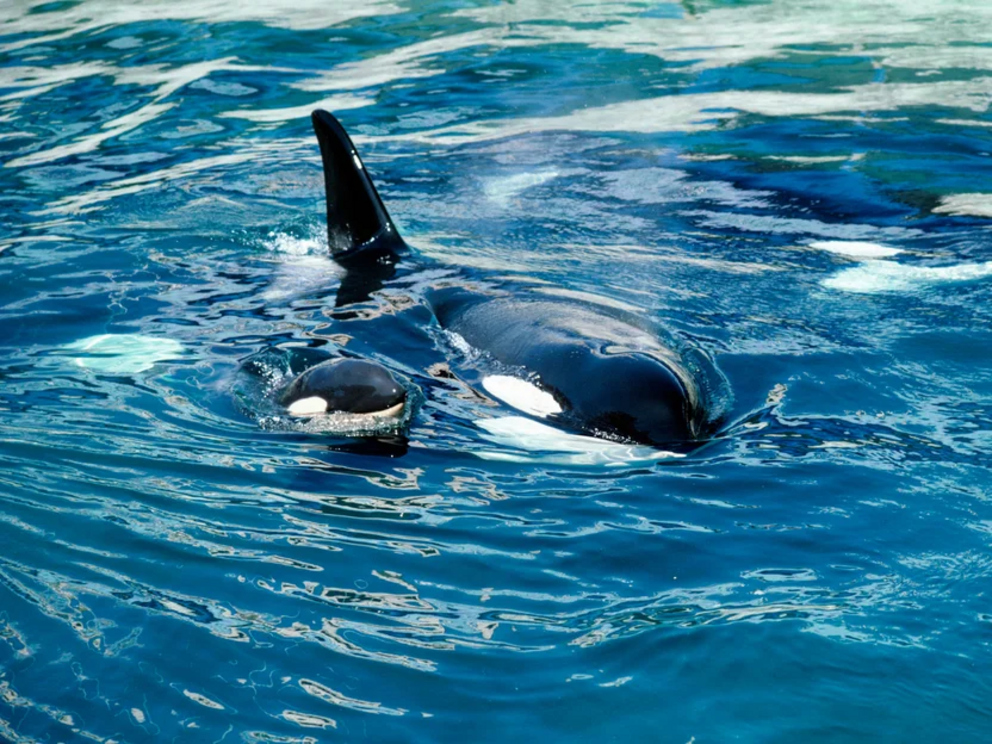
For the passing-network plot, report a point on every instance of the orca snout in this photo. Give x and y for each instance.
(345, 386)
(641, 399)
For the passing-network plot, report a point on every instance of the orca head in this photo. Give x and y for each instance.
(641, 399)
(345, 386)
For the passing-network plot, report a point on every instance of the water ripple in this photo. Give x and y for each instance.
(172, 569)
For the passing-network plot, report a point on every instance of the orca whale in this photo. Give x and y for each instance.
(356, 404)
(589, 368)
(345, 385)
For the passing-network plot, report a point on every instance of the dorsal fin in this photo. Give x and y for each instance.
(358, 226)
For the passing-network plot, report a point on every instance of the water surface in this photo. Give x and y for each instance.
(172, 569)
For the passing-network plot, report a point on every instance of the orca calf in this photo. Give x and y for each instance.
(582, 367)
(325, 390)
(345, 386)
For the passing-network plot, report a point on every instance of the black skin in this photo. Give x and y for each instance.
(255, 375)
(611, 376)
(348, 385)
(360, 234)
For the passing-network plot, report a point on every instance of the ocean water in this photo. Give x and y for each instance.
(798, 189)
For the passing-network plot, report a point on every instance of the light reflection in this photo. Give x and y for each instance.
(87, 201)
(58, 717)
(734, 35)
(406, 62)
(327, 695)
(96, 15)
(167, 80)
(698, 112)
(331, 636)
(309, 720)
(291, 113)
(163, 471)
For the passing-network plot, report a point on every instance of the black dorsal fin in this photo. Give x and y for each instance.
(358, 226)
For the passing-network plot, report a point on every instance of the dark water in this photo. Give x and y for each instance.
(171, 569)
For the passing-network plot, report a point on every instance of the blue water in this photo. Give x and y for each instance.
(172, 569)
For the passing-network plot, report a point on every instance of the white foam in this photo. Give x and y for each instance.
(305, 267)
(974, 205)
(520, 394)
(290, 245)
(889, 276)
(343, 423)
(504, 188)
(557, 447)
(461, 345)
(302, 276)
(855, 248)
(123, 353)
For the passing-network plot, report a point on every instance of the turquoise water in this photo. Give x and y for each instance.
(799, 190)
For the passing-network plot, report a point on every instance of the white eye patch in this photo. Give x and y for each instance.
(308, 406)
(315, 405)
(522, 395)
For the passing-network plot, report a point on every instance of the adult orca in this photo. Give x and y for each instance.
(586, 367)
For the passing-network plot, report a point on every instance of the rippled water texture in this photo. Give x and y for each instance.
(800, 190)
